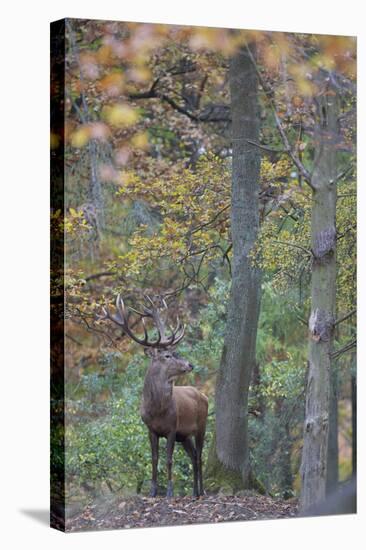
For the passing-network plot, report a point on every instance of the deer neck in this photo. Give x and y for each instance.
(158, 391)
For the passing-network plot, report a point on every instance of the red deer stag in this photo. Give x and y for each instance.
(178, 413)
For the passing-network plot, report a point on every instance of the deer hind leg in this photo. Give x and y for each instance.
(199, 446)
(154, 442)
(169, 462)
(191, 452)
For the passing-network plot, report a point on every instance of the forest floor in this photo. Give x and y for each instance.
(153, 512)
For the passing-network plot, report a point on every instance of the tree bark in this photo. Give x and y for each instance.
(228, 464)
(354, 414)
(323, 296)
(333, 451)
(95, 188)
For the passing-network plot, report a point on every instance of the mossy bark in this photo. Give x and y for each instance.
(228, 465)
(218, 477)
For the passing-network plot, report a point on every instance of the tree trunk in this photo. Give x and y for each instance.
(95, 188)
(228, 464)
(354, 414)
(323, 286)
(332, 459)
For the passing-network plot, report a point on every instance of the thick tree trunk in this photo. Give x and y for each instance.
(228, 465)
(321, 321)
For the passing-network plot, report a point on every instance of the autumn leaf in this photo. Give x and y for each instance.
(81, 136)
(112, 84)
(120, 115)
(140, 141)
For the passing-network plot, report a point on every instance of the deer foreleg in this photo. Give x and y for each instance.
(169, 462)
(154, 442)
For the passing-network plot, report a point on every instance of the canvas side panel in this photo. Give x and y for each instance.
(57, 459)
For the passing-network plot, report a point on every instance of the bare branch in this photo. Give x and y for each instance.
(226, 257)
(99, 275)
(199, 227)
(288, 149)
(344, 349)
(345, 317)
(202, 116)
(341, 175)
(266, 148)
(305, 250)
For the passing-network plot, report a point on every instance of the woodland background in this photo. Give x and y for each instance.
(148, 187)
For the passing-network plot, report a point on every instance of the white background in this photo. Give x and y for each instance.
(24, 200)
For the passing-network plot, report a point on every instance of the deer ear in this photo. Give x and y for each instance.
(150, 352)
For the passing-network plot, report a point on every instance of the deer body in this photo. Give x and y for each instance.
(177, 413)
(192, 407)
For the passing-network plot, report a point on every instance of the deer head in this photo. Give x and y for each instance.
(169, 362)
(164, 360)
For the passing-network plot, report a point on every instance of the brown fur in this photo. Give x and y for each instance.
(191, 407)
(177, 413)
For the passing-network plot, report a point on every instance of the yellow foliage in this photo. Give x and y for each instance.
(120, 115)
(140, 141)
(81, 136)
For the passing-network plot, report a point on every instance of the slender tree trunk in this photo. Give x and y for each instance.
(332, 459)
(287, 477)
(228, 464)
(95, 187)
(323, 286)
(354, 414)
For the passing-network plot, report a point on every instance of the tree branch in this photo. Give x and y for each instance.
(341, 175)
(226, 256)
(345, 317)
(344, 349)
(288, 149)
(199, 227)
(303, 321)
(307, 252)
(99, 275)
(266, 148)
(152, 93)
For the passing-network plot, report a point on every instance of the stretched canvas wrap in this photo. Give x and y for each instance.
(203, 275)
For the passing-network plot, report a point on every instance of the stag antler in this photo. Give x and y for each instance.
(149, 310)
